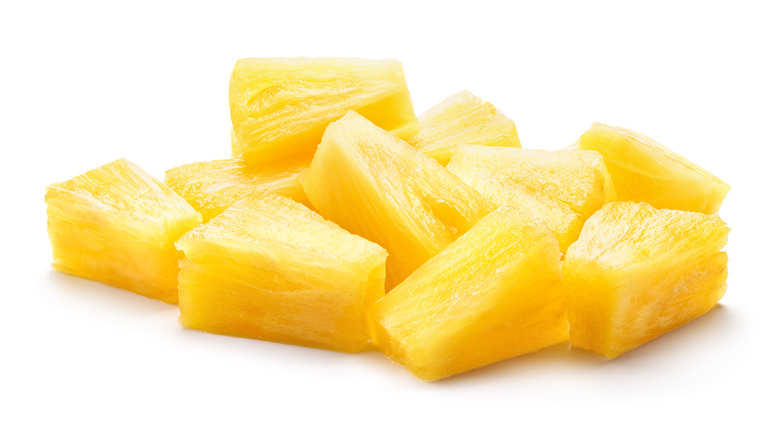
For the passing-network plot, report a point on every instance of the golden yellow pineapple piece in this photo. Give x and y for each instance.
(637, 272)
(563, 187)
(269, 268)
(492, 294)
(377, 186)
(117, 224)
(212, 186)
(281, 106)
(462, 118)
(643, 170)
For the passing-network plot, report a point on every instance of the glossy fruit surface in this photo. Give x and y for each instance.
(281, 106)
(643, 170)
(269, 268)
(377, 186)
(562, 187)
(637, 272)
(462, 118)
(492, 294)
(212, 186)
(117, 224)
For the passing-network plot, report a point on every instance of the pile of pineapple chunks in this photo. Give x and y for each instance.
(343, 221)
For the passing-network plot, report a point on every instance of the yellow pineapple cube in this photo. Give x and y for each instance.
(117, 224)
(493, 294)
(563, 187)
(281, 106)
(269, 268)
(637, 272)
(643, 170)
(212, 186)
(462, 118)
(377, 186)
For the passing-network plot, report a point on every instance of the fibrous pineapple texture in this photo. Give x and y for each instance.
(492, 294)
(117, 224)
(212, 186)
(637, 272)
(281, 106)
(462, 118)
(377, 186)
(643, 170)
(269, 268)
(563, 187)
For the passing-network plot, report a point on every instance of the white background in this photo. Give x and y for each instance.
(86, 83)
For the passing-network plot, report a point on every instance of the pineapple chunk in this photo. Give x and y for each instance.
(375, 185)
(643, 170)
(462, 118)
(563, 187)
(212, 186)
(281, 106)
(492, 294)
(637, 273)
(117, 224)
(269, 268)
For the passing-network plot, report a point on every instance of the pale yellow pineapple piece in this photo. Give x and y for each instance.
(462, 118)
(269, 268)
(212, 186)
(563, 187)
(117, 224)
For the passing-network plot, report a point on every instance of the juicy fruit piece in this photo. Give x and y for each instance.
(212, 186)
(375, 185)
(563, 187)
(269, 268)
(492, 294)
(117, 224)
(637, 272)
(281, 106)
(643, 170)
(462, 118)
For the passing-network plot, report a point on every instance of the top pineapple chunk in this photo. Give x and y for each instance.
(117, 224)
(462, 118)
(212, 186)
(563, 187)
(377, 186)
(281, 106)
(644, 170)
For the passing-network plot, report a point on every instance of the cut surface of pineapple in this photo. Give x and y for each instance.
(563, 187)
(493, 294)
(462, 118)
(643, 170)
(281, 106)
(377, 186)
(637, 272)
(270, 268)
(117, 224)
(212, 186)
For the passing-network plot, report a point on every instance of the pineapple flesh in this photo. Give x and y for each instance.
(281, 106)
(377, 186)
(493, 294)
(117, 224)
(212, 186)
(643, 170)
(462, 118)
(637, 272)
(270, 268)
(563, 187)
